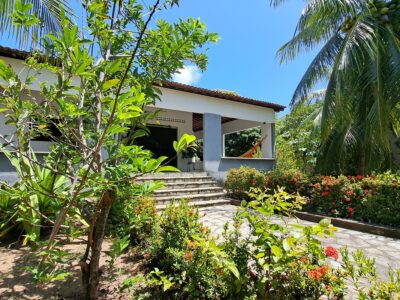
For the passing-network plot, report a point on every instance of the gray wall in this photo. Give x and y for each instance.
(7, 171)
(216, 165)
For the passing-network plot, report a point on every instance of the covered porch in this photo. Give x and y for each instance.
(211, 119)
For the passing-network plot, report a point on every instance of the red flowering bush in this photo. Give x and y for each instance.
(239, 181)
(373, 199)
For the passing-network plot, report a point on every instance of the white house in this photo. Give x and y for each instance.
(207, 114)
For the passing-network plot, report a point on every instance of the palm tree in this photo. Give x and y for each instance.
(360, 60)
(47, 11)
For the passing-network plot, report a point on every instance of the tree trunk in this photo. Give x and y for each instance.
(91, 270)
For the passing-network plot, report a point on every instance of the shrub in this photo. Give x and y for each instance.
(277, 262)
(372, 199)
(182, 252)
(135, 217)
(239, 181)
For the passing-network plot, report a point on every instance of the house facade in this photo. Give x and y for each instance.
(207, 114)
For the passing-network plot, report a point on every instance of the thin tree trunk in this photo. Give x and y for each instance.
(91, 271)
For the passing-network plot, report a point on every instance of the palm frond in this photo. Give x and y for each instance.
(49, 13)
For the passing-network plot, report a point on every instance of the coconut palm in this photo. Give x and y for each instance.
(360, 61)
(47, 11)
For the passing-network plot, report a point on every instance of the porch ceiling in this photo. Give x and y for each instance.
(198, 121)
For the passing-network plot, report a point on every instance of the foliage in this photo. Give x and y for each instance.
(29, 20)
(29, 203)
(103, 80)
(360, 60)
(237, 143)
(239, 181)
(298, 138)
(187, 256)
(135, 217)
(372, 199)
(360, 269)
(279, 260)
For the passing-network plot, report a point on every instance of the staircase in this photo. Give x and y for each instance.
(197, 187)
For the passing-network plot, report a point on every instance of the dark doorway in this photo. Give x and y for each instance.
(160, 142)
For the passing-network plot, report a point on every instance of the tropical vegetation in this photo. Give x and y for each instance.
(372, 199)
(359, 59)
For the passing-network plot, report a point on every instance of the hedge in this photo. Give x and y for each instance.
(373, 199)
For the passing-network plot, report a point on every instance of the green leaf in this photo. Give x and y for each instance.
(110, 84)
(167, 169)
(276, 251)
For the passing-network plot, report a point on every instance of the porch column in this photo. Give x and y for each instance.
(212, 144)
(268, 145)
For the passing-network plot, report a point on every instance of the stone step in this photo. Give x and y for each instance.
(169, 179)
(189, 184)
(175, 175)
(187, 191)
(194, 197)
(206, 203)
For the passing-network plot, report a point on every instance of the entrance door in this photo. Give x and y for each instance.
(160, 142)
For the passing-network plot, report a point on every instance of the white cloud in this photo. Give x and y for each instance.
(189, 74)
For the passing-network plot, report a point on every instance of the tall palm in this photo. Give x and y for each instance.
(47, 11)
(360, 60)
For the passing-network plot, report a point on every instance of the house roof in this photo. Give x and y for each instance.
(19, 54)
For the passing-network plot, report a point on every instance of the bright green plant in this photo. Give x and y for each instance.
(103, 80)
(118, 246)
(279, 260)
(363, 274)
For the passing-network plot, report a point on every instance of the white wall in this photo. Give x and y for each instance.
(178, 100)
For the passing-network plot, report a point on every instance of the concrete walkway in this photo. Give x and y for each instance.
(386, 251)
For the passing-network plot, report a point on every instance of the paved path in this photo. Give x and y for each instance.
(385, 250)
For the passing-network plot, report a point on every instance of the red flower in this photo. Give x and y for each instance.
(147, 255)
(317, 186)
(360, 177)
(336, 182)
(188, 256)
(366, 192)
(327, 188)
(318, 273)
(350, 192)
(347, 199)
(325, 194)
(191, 245)
(331, 252)
(350, 210)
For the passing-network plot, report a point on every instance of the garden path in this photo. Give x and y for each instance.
(385, 250)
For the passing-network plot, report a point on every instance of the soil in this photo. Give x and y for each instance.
(17, 283)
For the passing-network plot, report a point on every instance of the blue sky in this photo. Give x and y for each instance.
(244, 60)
